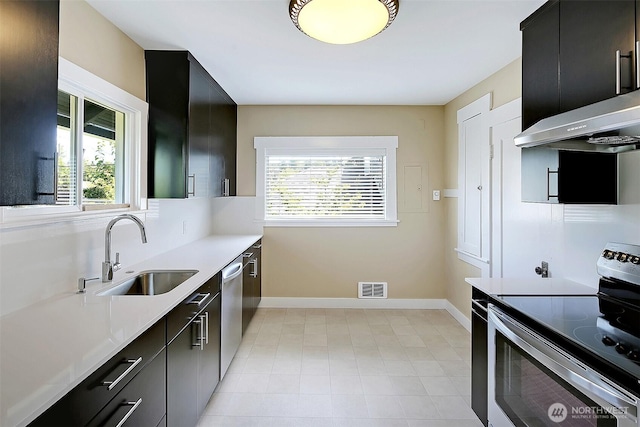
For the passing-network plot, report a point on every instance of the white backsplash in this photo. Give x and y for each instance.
(38, 262)
(235, 215)
(569, 237)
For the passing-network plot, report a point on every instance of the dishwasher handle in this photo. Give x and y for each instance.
(232, 271)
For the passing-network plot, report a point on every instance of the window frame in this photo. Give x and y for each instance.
(328, 145)
(83, 84)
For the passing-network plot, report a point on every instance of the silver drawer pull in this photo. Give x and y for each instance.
(203, 298)
(134, 363)
(247, 255)
(134, 406)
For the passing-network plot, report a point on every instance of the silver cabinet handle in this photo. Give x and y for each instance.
(638, 64)
(247, 255)
(259, 245)
(193, 187)
(134, 362)
(618, 72)
(549, 173)
(225, 187)
(254, 268)
(206, 327)
(134, 406)
(199, 342)
(203, 298)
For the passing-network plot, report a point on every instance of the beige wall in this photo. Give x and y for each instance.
(90, 41)
(328, 262)
(505, 86)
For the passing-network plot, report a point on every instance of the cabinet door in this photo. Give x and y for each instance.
(591, 32)
(28, 105)
(209, 364)
(223, 142)
(168, 97)
(141, 402)
(540, 64)
(199, 105)
(182, 377)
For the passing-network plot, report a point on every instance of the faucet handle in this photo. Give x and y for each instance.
(82, 283)
(116, 265)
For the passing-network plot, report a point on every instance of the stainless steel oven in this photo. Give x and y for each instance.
(535, 382)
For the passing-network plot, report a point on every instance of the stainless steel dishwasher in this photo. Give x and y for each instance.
(231, 333)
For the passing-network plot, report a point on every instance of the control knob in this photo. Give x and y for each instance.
(634, 355)
(622, 257)
(608, 341)
(635, 260)
(622, 348)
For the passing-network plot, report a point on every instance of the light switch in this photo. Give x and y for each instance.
(436, 194)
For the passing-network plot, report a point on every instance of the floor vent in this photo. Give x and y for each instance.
(372, 289)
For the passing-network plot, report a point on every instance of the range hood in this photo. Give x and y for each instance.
(612, 125)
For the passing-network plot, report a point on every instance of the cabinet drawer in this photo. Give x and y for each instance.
(182, 314)
(141, 402)
(82, 403)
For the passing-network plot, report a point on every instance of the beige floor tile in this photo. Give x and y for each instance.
(439, 386)
(384, 407)
(315, 384)
(347, 367)
(407, 386)
(343, 384)
(379, 385)
(418, 407)
(284, 384)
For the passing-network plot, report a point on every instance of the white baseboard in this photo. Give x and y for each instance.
(457, 314)
(390, 303)
(387, 303)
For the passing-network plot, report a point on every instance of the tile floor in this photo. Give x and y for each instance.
(347, 367)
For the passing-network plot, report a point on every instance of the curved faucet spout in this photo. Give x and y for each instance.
(109, 267)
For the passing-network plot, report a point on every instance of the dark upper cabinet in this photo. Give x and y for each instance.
(28, 105)
(192, 128)
(575, 53)
(540, 64)
(591, 33)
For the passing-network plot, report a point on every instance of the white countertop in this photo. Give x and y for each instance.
(50, 347)
(536, 286)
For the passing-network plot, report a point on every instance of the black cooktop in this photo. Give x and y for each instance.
(598, 325)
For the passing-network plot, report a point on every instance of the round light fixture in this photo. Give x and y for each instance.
(342, 21)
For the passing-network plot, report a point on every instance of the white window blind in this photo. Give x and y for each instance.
(322, 186)
(326, 181)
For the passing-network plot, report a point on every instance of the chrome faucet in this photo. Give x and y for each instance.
(109, 267)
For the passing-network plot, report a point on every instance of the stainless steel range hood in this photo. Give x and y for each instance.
(612, 125)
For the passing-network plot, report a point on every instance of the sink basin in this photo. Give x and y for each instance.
(149, 283)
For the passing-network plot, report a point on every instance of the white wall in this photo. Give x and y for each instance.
(38, 262)
(569, 237)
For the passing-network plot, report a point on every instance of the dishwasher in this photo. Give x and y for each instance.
(231, 327)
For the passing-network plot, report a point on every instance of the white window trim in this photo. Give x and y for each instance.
(328, 145)
(80, 82)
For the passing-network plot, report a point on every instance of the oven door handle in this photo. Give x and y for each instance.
(562, 364)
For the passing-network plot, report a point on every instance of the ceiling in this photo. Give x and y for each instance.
(433, 52)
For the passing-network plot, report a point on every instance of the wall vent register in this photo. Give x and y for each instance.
(372, 289)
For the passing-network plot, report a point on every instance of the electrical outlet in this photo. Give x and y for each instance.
(184, 227)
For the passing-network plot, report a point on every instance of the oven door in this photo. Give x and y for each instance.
(532, 382)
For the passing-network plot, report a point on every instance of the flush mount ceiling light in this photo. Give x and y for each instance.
(342, 21)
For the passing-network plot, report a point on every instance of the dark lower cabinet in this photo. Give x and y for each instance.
(139, 366)
(28, 104)
(251, 283)
(141, 403)
(479, 357)
(193, 355)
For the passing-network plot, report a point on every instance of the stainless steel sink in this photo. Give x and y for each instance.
(154, 282)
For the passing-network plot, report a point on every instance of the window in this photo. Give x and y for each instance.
(101, 149)
(95, 152)
(334, 181)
